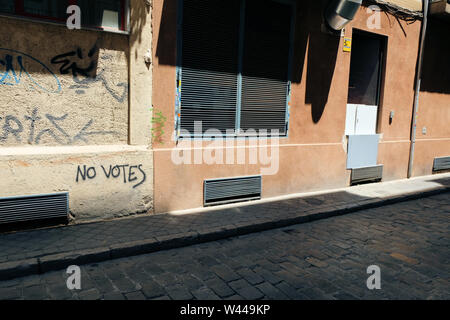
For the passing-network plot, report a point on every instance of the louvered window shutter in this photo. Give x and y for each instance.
(265, 65)
(210, 52)
(235, 64)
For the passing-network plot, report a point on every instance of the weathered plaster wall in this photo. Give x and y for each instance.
(314, 155)
(81, 125)
(433, 118)
(397, 91)
(62, 87)
(103, 182)
(140, 44)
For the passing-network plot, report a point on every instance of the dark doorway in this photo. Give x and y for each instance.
(366, 68)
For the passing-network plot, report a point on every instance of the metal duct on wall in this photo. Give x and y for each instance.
(340, 12)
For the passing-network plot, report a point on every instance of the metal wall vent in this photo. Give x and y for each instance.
(367, 174)
(441, 164)
(221, 191)
(36, 207)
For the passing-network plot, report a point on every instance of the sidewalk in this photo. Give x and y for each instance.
(39, 251)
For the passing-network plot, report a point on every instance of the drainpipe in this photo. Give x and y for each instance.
(417, 90)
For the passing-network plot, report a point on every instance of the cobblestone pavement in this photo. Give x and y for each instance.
(325, 259)
(110, 235)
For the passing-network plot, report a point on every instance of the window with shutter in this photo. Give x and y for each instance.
(210, 43)
(101, 14)
(265, 82)
(233, 66)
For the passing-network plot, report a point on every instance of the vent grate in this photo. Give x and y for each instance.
(222, 191)
(36, 207)
(441, 164)
(367, 174)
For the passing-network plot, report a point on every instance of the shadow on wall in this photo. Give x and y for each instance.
(436, 61)
(166, 48)
(139, 13)
(322, 55)
(80, 57)
(80, 53)
(322, 50)
(49, 70)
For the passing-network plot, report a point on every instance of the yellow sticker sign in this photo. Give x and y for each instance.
(347, 44)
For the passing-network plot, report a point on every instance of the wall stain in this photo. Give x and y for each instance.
(20, 163)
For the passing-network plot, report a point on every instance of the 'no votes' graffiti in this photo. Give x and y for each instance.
(127, 173)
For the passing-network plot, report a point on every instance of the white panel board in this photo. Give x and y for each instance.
(366, 120)
(350, 119)
(362, 151)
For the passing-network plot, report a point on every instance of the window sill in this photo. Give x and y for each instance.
(60, 24)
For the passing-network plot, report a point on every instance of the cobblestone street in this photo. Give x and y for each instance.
(325, 259)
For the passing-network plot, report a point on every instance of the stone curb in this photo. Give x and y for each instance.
(53, 262)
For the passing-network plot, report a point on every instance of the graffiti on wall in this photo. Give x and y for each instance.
(158, 124)
(129, 174)
(15, 68)
(20, 69)
(82, 67)
(35, 128)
